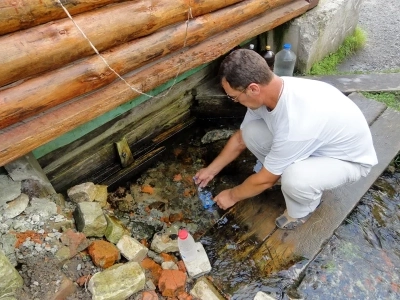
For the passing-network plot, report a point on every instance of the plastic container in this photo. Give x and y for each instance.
(187, 246)
(269, 57)
(206, 198)
(285, 61)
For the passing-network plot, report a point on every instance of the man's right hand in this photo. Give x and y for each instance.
(203, 177)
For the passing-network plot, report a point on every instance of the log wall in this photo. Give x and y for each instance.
(52, 80)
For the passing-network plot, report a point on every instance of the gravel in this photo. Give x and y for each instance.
(381, 21)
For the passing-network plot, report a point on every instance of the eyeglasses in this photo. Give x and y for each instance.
(234, 99)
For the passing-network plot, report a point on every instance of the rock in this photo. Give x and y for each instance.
(149, 295)
(76, 241)
(169, 265)
(172, 282)
(10, 278)
(263, 296)
(163, 243)
(43, 207)
(84, 192)
(101, 194)
(216, 135)
(118, 282)
(7, 245)
(103, 254)
(66, 289)
(16, 206)
(115, 229)
(131, 249)
(204, 290)
(9, 189)
(154, 268)
(89, 219)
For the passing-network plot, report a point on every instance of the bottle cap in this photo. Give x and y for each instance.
(183, 234)
(268, 48)
(287, 46)
(251, 46)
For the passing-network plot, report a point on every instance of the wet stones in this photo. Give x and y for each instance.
(90, 219)
(204, 290)
(118, 282)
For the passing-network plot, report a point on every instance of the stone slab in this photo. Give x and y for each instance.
(381, 82)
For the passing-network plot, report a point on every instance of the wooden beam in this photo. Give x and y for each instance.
(33, 133)
(42, 93)
(55, 44)
(22, 14)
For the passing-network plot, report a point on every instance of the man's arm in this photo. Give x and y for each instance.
(232, 150)
(252, 186)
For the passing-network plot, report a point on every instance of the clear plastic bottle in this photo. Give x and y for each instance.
(206, 198)
(187, 246)
(285, 61)
(269, 57)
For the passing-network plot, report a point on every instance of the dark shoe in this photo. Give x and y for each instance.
(289, 223)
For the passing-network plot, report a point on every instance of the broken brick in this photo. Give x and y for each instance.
(172, 283)
(103, 254)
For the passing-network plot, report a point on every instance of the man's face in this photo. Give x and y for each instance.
(244, 96)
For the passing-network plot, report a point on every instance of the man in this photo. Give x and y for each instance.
(304, 131)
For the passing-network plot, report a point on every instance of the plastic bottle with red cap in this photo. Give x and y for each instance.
(187, 246)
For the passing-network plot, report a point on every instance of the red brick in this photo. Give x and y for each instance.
(167, 257)
(181, 266)
(149, 295)
(154, 268)
(172, 283)
(103, 253)
(76, 241)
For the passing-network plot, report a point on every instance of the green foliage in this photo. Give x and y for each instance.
(351, 44)
(391, 99)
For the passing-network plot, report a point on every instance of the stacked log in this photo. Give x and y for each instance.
(53, 81)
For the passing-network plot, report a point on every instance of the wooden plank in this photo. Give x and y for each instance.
(41, 93)
(284, 247)
(55, 44)
(38, 131)
(77, 170)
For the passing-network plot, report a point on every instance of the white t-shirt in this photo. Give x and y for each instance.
(313, 118)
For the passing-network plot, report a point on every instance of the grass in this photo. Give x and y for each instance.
(391, 99)
(328, 65)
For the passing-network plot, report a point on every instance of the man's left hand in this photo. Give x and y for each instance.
(225, 199)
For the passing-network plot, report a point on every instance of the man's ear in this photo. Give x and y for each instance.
(254, 88)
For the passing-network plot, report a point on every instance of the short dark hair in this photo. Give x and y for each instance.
(242, 67)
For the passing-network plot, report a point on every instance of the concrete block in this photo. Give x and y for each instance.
(318, 32)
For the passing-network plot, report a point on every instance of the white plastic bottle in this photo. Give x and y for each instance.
(187, 246)
(285, 61)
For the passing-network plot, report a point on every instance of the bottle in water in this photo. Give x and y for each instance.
(186, 245)
(285, 61)
(205, 198)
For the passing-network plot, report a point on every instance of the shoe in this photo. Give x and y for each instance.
(287, 222)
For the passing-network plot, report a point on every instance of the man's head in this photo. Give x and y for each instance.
(243, 67)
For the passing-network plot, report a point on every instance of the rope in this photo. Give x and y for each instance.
(190, 16)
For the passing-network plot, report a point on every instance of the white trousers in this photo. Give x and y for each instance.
(302, 182)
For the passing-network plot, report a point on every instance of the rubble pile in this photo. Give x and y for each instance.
(91, 243)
